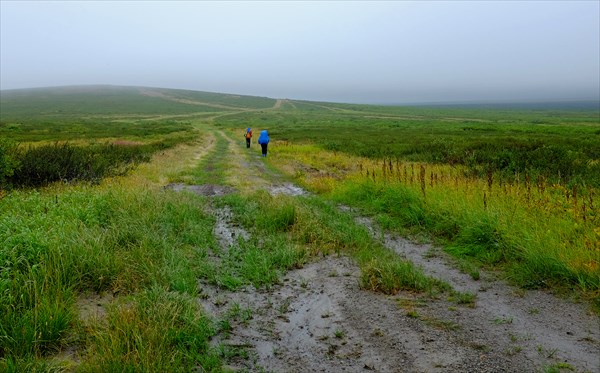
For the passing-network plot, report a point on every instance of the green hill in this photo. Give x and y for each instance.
(38, 103)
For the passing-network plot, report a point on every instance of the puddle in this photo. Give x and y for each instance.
(226, 231)
(287, 189)
(203, 190)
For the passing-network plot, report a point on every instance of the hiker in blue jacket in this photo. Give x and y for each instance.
(263, 140)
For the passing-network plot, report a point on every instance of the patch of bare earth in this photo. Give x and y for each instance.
(532, 329)
(319, 320)
(203, 190)
(93, 306)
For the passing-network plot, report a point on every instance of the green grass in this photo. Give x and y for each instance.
(149, 247)
(89, 130)
(488, 239)
(316, 227)
(96, 112)
(75, 102)
(60, 243)
(156, 330)
(560, 145)
(211, 169)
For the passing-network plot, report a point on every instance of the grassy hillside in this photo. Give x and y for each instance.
(96, 112)
(25, 105)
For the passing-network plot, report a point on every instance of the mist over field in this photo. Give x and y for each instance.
(356, 52)
(299, 186)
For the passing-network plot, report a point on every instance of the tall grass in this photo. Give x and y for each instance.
(561, 145)
(542, 235)
(155, 331)
(60, 243)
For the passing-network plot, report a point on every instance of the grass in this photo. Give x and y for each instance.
(148, 247)
(156, 330)
(558, 367)
(212, 167)
(538, 233)
(467, 299)
(561, 145)
(315, 227)
(65, 241)
(89, 130)
(33, 104)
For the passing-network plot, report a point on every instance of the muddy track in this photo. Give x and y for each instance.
(318, 319)
(539, 326)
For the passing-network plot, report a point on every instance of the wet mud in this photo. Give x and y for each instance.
(319, 319)
(203, 190)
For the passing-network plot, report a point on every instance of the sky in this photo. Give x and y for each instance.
(342, 51)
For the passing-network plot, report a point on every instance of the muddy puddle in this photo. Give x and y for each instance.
(227, 232)
(318, 319)
(203, 190)
(287, 189)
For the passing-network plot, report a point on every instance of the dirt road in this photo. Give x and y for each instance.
(318, 319)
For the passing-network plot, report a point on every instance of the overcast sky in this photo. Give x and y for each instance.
(368, 52)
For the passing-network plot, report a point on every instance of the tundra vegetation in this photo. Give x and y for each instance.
(99, 264)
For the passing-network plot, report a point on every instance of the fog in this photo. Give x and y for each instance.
(364, 52)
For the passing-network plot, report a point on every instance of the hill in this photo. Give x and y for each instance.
(38, 103)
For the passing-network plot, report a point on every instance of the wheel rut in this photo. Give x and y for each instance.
(319, 319)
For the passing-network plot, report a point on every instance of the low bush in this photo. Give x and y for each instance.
(40, 165)
(8, 162)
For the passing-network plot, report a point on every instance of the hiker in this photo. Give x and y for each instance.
(263, 140)
(248, 136)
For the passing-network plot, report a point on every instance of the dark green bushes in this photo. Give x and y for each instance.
(8, 163)
(556, 162)
(41, 165)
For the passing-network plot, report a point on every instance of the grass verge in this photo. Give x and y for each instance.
(62, 242)
(542, 236)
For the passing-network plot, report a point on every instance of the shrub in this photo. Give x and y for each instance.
(8, 162)
(38, 166)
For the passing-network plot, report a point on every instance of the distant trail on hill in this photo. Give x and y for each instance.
(151, 93)
(278, 104)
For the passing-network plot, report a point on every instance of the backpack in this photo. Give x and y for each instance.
(248, 134)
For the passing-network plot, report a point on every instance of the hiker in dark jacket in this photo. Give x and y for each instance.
(248, 136)
(263, 140)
